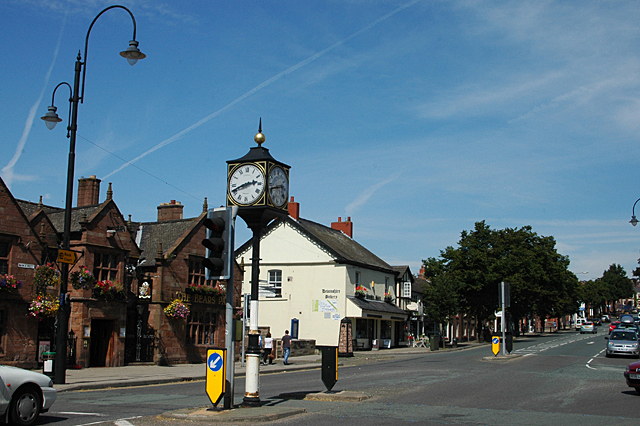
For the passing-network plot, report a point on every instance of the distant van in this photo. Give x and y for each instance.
(579, 323)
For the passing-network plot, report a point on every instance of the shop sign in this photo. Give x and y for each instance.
(204, 299)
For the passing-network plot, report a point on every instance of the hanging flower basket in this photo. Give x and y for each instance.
(216, 290)
(238, 313)
(45, 276)
(9, 282)
(108, 289)
(44, 306)
(82, 279)
(388, 298)
(176, 310)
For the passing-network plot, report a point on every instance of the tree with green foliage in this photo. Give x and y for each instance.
(611, 287)
(470, 275)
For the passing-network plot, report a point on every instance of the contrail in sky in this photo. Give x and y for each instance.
(367, 193)
(7, 171)
(262, 86)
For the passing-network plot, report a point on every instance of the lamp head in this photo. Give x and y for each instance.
(633, 221)
(132, 54)
(51, 118)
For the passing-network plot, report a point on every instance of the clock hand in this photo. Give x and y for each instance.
(244, 185)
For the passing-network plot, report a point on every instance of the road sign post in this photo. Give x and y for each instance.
(329, 366)
(216, 374)
(495, 345)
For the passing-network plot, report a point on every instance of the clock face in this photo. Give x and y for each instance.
(246, 184)
(278, 186)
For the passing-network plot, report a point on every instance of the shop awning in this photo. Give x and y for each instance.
(369, 308)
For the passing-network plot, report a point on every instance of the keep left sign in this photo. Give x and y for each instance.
(216, 374)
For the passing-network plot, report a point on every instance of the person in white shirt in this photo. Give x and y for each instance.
(268, 347)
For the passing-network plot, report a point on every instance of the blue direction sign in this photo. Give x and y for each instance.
(216, 374)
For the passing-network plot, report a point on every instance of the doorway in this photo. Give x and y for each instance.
(101, 351)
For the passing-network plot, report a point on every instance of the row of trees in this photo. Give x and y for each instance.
(606, 291)
(466, 279)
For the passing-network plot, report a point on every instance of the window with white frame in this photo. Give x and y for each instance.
(406, 289)
(273, 287)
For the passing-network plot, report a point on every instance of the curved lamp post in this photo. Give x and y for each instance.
(633, 220)
(132, 54)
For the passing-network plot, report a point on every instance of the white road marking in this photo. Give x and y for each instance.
(77, 413)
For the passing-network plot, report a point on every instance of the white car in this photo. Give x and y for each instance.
(24, 395)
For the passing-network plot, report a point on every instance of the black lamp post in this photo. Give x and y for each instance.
(633, 220)
(132, 54)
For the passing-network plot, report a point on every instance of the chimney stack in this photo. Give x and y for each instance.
(88, 191)
(346, 227)
(294, 209)
(170, 211)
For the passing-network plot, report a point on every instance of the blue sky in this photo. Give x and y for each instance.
(416, 119)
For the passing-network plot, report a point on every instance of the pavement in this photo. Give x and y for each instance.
(147, 374)
(140, 374)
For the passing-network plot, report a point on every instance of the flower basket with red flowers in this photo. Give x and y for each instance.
(82, 279)
(216, 290)
(108, 289)
(361, 291)
(9, 282)
(45, 276)
(44, 306)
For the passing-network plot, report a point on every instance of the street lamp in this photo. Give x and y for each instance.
(132, 54)
(633, 220)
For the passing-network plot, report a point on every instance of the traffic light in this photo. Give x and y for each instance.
(218, 244)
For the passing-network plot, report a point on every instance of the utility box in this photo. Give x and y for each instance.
(434, 342)
(49, 359)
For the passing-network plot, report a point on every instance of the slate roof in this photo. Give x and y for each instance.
(344, 250)
(56, 214)
(151, 234)
(29, 208)
(376, 306)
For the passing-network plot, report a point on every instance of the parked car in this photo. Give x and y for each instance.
(632, 375)
(622, 342)
(24, 395)
(597, 322)
(606, 318)
(588, 327)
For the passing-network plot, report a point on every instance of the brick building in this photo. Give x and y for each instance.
(149, 264)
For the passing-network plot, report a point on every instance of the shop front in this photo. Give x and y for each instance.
(378, 324)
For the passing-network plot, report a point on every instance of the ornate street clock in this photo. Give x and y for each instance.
(258, 184)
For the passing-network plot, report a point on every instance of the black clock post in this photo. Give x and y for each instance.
(259, 186)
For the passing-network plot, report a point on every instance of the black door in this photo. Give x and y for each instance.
(101, 342)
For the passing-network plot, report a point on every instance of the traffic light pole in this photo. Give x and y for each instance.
(229, 341)
(252, 377)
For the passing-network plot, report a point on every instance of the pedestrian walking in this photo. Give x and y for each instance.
(268, 348)
(286, 346)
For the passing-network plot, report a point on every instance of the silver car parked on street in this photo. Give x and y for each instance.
(24, 395)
